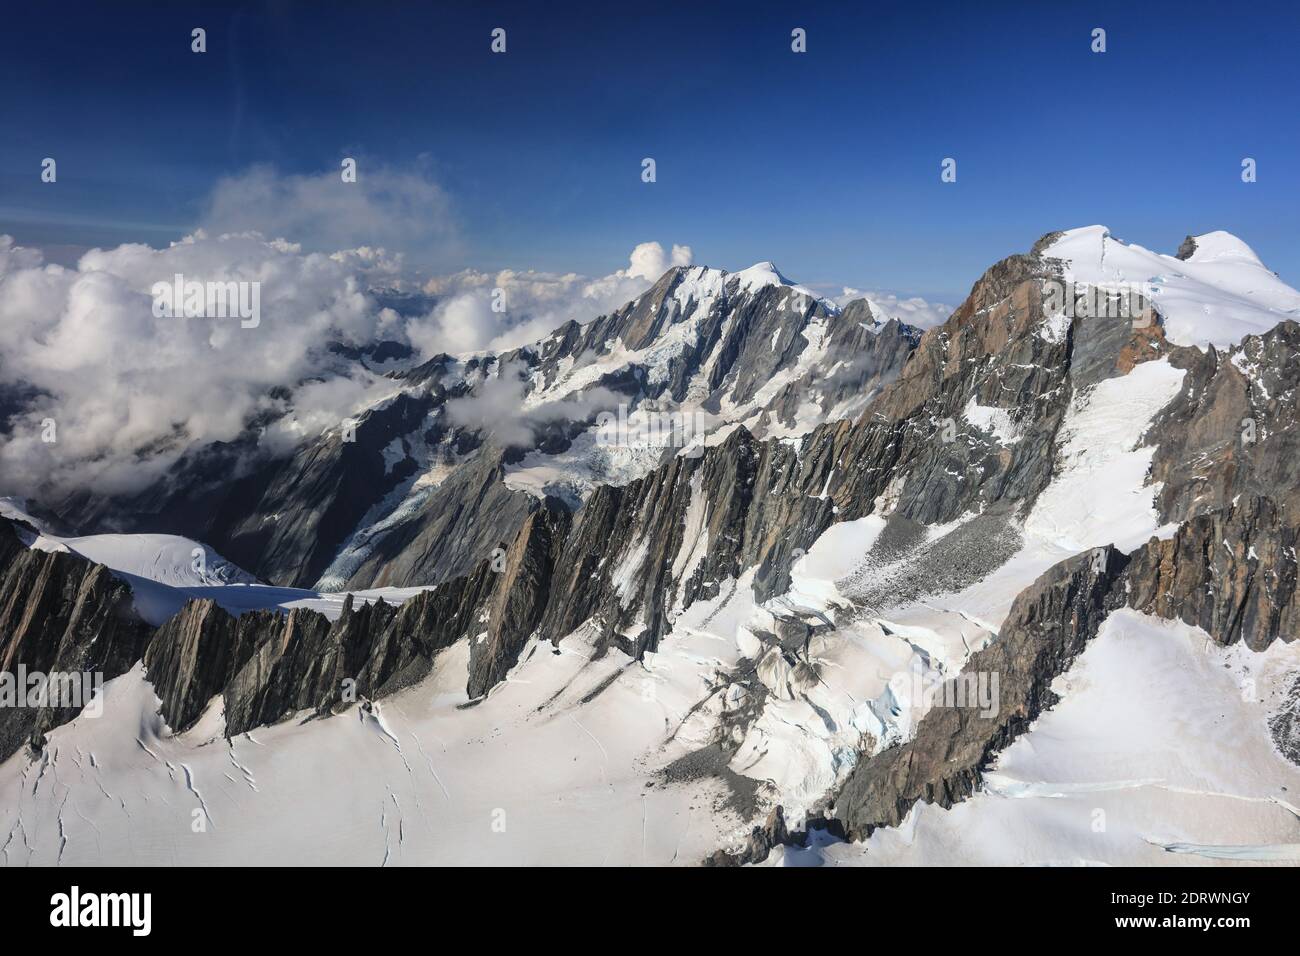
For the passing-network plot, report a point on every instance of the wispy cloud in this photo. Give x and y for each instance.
(386, 206)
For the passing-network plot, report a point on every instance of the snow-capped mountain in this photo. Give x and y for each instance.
(952, 596)
(421, 485)
(1215, 291)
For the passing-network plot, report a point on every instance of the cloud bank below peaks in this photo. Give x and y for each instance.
(129, 391)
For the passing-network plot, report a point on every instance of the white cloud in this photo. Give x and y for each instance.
(129, 391)
(648, 260)
(380, 269)
(496, 407)
(536, 303)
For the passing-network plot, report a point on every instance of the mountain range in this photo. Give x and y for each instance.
(1019, 588)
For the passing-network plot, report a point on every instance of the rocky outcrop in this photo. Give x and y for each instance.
(1234, 427)
(519, 596)
(294, 663)
(461, 522)
(268, 666)
(867, 356)
(340, 475)
(1231, 573)
(760, 843)
(59, 613)
(196, 652)
(1284, 723)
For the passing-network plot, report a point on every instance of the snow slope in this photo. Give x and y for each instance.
(163, 558)
(877, 662)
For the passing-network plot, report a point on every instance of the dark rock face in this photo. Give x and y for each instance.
(376, 352)
(766, 500)
(630, 588)
(268, 666)
(292, 663)
(195, 653)
(519, 596)
(461, 521)
(1284, 723)
(59, 613)
(294, 545)
(1232, 428)
(1231, 573)
(1045, 242)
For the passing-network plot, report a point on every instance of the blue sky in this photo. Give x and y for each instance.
(826, 163)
